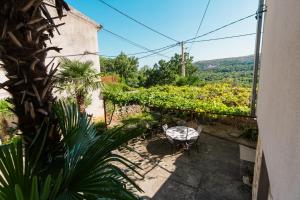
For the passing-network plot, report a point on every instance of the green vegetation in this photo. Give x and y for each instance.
(7, 133)
(124, 66)
(239, 70)
(216, 63)
(78, 79)
(60, 154)
(88, 155)
(221, 98)
(162, 73)
(5, 108)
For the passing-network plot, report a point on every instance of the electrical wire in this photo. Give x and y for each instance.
(172, 45)
(133, 43)
(158, 51)
(223, 38)
(144, 52)
(200, 25)
(207, 40)
(86, 53)
(224, 26)
(136, 21)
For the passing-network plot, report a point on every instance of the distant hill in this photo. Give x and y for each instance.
(216, 63)
(238, 69)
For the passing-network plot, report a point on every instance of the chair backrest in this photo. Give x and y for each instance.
(181, 123)
(193, 139)
(170, 139)
(192, 124)
(165, 127)
(199, 129)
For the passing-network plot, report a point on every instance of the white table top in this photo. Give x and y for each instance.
(181, 133)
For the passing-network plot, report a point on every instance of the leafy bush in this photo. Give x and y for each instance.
(100, 127)
(222, 98)
(189, 80)
(5, 107)
(251, 134)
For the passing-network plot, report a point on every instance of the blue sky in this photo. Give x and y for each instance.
(178, 19)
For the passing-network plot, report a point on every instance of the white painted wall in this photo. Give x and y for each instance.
(279, 98)
(78, 35)
(3, 93)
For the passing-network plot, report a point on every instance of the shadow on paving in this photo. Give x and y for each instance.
(213, 173)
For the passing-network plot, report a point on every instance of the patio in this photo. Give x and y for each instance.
(213, 173)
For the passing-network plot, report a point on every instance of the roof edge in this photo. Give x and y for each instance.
(84, 17)
(77, 13)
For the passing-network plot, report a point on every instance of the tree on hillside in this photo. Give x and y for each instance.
(107, 65)
(162, 73)
(78, 80)
(175, 62)
(165, 72)
(126, 67)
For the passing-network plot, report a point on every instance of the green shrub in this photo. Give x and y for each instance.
(221, 98)
(251, 134)
(5, 107)
(189, 80)
(100, 127)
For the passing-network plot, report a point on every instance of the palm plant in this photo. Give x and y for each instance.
(88, 170)
(25, 27)
(78, 79)
(60, 155)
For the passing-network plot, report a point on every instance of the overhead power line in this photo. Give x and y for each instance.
(224, 26)
(223, 38)
(135, 20)
(158, 50)
(143, 52)
(86, 53)
(201, 22)
(164, 49)
(133, 43)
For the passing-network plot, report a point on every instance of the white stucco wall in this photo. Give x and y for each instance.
(279, 98)
(3, 93)
(78, 35)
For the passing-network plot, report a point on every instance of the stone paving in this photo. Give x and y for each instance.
(213, 173)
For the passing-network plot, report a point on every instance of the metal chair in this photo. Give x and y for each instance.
(181, 123)
(174, 143)
(165, 127)
(194, 140)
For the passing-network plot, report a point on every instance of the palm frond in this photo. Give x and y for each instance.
(16, 180)
(90, 169)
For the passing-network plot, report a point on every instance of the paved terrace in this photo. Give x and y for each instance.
(213, 173)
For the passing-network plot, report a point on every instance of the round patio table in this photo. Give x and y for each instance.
(181, 133)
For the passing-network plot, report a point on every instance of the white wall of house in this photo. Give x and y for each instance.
(78, 35)
(279, 98)
(3, 93)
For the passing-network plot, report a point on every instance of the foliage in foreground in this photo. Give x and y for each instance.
(221, 98)
(26, 27)
(87, 169)
(5, 107)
